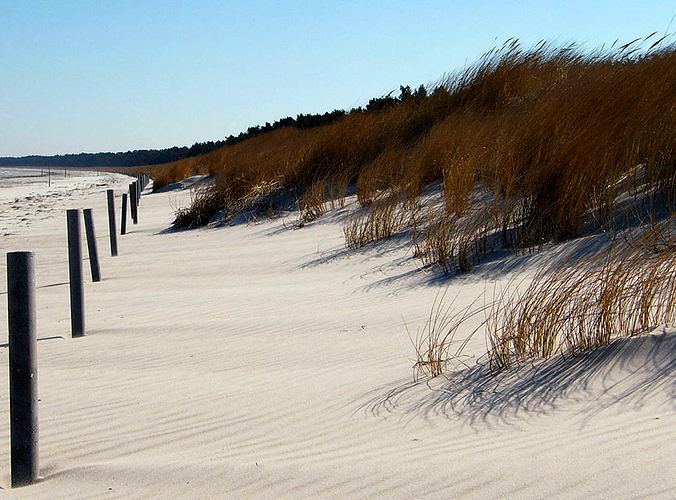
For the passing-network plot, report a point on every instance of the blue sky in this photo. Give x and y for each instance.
(118, 75)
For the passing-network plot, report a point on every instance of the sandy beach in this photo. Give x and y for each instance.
(260, 360)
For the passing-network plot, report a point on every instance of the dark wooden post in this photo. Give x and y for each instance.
(23, 368)
(123, 223)
(91, 245)
(75, 274)
(133, 200)
(111, 222)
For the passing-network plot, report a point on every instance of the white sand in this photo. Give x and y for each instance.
(264, 361)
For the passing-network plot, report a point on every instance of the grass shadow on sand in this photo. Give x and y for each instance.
(628, 371)
(498, 265)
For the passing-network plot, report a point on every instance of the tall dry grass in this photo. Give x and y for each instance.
(437, 349)
(387, 216)
(579, 305)
(576, 308)
(548, 132)
(528, 146)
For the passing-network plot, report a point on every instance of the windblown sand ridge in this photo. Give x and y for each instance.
(264, 361)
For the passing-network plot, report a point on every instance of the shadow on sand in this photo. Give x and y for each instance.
(628, 371)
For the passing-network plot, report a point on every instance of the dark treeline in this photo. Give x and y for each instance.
(141, 157)
(123, 159)
(301, 121)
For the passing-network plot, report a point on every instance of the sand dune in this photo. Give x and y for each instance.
(264, 361)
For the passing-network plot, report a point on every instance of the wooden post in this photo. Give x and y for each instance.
(133, 200)
(91, 245)
(23, 368)
(75, 273)
(123, 223)
(111, 222)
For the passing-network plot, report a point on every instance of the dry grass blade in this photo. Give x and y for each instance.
(436, 347)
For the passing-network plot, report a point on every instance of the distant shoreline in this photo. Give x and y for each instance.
(21, 170)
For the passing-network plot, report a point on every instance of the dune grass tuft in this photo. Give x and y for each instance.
(384, 218)
(579, 305)
(437, 349)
